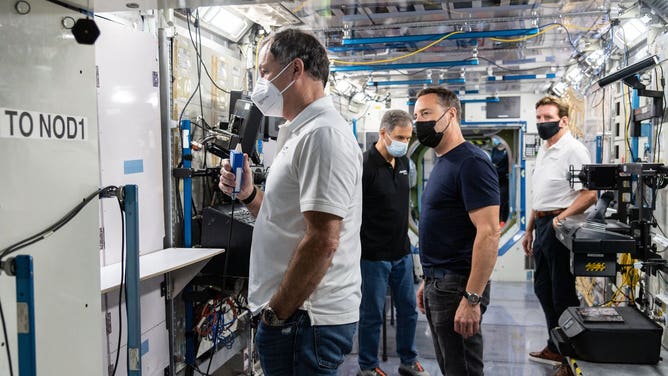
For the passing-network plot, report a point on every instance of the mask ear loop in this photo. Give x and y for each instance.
(281, 72)
(439, 119)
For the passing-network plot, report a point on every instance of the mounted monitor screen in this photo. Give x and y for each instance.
(505, 108)
(245, 121)
(271, 124)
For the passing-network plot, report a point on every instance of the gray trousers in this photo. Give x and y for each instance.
(456, 356)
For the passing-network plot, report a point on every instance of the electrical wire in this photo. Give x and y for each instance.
(108, 191)
(657, 144)
(568, 34)
(198, 49)
(437, 41)
(547, 28)
(257, 55)
(199, 56)
(217, 326)
(59, 224)
(628, 122)
(120, 291)
(521, 70)
(4, 330)
(197, 88)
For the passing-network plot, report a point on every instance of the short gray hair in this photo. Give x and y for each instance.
(393, 118)
(289, 44)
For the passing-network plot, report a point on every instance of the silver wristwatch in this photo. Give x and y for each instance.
(269, 317)
(472, 297)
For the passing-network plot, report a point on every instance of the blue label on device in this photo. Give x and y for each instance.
(237, 162)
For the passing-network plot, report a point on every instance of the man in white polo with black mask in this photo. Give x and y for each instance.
(553, 200)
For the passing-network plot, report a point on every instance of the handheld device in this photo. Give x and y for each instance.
(237, 163)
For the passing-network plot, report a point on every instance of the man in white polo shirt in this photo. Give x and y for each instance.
(304, 269)
(553, 200)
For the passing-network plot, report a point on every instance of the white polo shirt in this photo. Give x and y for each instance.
(317, 167)
(551, 187)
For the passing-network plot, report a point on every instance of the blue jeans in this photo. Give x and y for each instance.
(553, 282)
(375, 278)
(298, 348)
(455, 355)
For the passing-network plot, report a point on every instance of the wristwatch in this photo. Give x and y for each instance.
(472, 297)
(269, 317)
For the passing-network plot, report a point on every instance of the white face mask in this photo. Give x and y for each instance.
(396, 148)
(267, 97)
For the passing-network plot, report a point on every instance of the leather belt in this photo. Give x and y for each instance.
(555, 212)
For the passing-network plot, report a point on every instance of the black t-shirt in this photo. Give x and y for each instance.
(384, 232)
(462, 180)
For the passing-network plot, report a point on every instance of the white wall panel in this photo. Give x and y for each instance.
(45, 70)
(129, 118)
(154, 335)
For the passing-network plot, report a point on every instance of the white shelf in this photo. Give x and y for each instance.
(156, 263)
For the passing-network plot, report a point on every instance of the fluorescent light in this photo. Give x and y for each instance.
(230, 25)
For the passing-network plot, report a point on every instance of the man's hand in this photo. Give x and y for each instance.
(227, 179)
(527, 243)
(467, 319)
(419, 297)
(556, 222)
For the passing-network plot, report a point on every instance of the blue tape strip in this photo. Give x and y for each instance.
(135, 166)
(144, 347)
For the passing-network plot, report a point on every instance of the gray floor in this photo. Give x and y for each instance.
(512, 326)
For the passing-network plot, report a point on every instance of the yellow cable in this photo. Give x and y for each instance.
(398, 57)
(300, 6)
(257, 54)
(525, 37)
(600, 26)
(576, 369)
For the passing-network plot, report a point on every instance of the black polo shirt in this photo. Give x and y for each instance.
(384, 231)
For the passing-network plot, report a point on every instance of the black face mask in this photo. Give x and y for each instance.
(548, 129)
(426, 133)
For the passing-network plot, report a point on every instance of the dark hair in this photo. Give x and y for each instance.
(393, 118)
(289, 44)
(561, 105)
(446, 97)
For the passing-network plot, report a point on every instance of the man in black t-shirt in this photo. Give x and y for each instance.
(459, 234)
(386, 256)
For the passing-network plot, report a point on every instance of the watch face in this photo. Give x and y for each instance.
(473, 298)
(270, 317)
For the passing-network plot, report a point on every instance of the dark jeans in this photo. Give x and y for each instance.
(299, 348)
(553, 281)
(375, 277)
(456, 355)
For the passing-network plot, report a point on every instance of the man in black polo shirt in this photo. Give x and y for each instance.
(386, 256)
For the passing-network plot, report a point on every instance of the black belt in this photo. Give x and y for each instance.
(555, 212)
(437, 273)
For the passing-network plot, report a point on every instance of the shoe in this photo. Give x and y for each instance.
(546, 356)
(372, 372)
(414, 369)
(563, 370)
